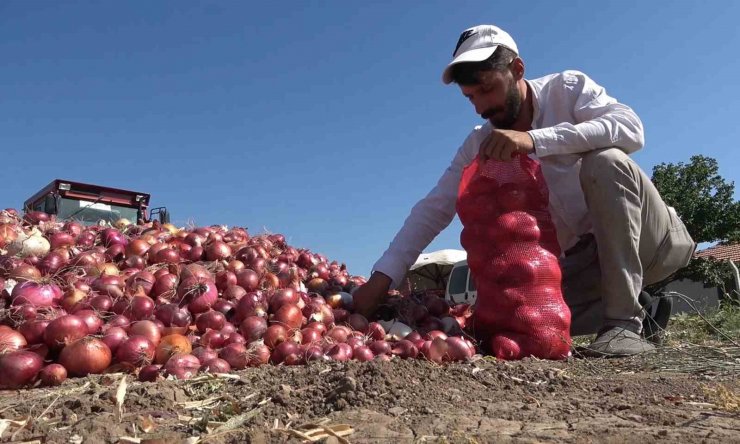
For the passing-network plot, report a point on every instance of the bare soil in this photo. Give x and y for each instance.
(663, 397)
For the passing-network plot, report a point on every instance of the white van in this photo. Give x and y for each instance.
(460, 285)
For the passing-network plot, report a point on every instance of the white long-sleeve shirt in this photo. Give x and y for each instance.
(572, 115)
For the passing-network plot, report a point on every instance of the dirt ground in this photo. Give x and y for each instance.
(687, 395)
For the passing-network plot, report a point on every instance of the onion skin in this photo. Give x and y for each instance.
(172, 345)
(86, 356)
(19, 368)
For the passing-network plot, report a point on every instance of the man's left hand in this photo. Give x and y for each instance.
(504, 144)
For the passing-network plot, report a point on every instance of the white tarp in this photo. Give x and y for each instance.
(431, 270)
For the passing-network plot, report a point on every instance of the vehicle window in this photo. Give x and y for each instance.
(458, 280)
(90, 213)
(471, 283)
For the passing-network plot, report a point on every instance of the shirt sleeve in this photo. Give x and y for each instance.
(600, 121)
(428, 217)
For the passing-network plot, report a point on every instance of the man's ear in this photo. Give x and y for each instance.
(517, 68)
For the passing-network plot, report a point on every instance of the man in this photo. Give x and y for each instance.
(616, 232)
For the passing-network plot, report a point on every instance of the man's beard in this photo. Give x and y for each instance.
(509, 112)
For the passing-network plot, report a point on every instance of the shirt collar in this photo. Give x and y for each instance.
(534, 90)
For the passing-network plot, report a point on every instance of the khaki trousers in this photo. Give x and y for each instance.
(637, 240)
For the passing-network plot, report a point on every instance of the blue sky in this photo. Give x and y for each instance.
(326, 121)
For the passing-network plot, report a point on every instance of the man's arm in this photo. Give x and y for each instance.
(602, 122)
(427, 219)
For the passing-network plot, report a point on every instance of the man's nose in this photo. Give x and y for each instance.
(479, 106)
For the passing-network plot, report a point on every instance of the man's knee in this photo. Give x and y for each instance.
(603, 165)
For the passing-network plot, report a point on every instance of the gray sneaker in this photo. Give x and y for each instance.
(616, 342)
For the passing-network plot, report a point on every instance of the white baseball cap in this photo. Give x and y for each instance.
(477, 44)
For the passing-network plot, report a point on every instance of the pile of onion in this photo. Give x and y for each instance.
(159, 301)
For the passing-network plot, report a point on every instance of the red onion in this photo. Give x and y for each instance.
(310, 335)
(111, 236)
(164, 285)
(182, 366)
(405, 349)
(259, 354)
(114, 337)
(228, 329)
(213, 339)
(458, 349)
(235, 338)
(91, 319)
(39, 295)
(86, 356)
(198, 293)
(173, 316)
(288, 353)
(101, 303)
(216, 251)
(236, 355)
(340, 333)
(213, 320)
(33, 331)
(216, 365)
(52, 375)
(363, 354)
(340, 352)
(252, 304)
(380, 347)
(150, 373)
(64, 330)
(358, 322)
(24, 272)
(233, 293)
(248, 279)
(204, 354)
(314, 353)
(274, 335)
(147, 329)
(316, 311)
(19, 368)
(290, 316)
(119, 321)
(253, 328)
(376, 331)
(136, 350)
(11, 340)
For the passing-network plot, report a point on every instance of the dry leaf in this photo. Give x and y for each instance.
(121, 396)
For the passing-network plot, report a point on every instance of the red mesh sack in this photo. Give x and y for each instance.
(512, 254)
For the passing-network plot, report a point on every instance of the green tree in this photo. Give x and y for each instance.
(702, 198)
(704, 201)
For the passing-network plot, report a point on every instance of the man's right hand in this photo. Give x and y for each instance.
(368, 297)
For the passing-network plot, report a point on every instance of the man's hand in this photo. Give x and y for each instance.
(504, 144)
(371, 294)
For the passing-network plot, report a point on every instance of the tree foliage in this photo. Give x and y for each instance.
(705, 202)
(702, 198)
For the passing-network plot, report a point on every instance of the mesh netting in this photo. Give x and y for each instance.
(512, 253)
